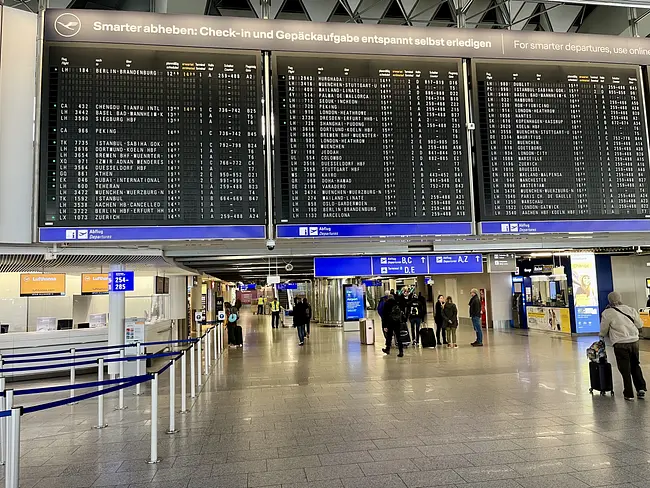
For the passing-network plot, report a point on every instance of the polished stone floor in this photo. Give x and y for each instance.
(337, 414)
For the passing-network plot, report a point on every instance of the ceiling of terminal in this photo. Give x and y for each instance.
(586, 16)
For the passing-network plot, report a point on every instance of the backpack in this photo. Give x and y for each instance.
(396, 314)
(415, 311)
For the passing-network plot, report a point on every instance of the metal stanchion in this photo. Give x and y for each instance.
(215, 342)
(12, 474)
(172, 398)
(153, 458)
(120, 392)
(138, 368)
(206, 360)
(220, 340)
(192, 372)
(183, 382)
(3, 429)
(100, 398)
(199, 369)
(73, 374)
(9, 398)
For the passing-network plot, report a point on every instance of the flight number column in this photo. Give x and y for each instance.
(388, 145)
(638, 148)
(452, 119)
(250, 127)
(174, 138)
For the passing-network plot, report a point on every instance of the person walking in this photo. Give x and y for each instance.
(475, 315)
(391, 323)
(299, 320)
(450, 319)
(439, 320)
(307, 317)
(621, 323)
(275, 313)
(415, 317)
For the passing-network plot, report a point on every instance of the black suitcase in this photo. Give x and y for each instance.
(427, 337)
(600, 377)
(239, 336)
(404, 336)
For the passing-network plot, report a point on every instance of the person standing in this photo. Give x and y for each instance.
(475, 315)
(621, 323)
(299, 321)
(450, 318)
(439, 320)
(260, 306)
(415, 317)
(391, 323)
(275, 313)
(307, 317)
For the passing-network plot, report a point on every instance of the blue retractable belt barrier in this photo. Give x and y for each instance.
(78, 386)
(76, 356)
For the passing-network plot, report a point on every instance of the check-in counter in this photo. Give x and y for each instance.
(645, 318)
(57, 340)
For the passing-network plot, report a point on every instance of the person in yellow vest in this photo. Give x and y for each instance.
(260, 306)
(275, 313)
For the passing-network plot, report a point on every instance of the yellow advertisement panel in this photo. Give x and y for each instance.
(94, 283)
(553, 319)
(42, 284)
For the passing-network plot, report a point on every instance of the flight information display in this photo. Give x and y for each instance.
(561, 142)
(372, 139)
(145, 137)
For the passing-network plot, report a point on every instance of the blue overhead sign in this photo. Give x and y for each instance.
(563, 226)
(291, 231)
(160, 233)
(400, 265)
(121, 281)
(247, 287)
(456, 263)
(287, 286)
(371, 283)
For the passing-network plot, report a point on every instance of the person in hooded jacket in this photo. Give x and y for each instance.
(392, 323)
(621, 323)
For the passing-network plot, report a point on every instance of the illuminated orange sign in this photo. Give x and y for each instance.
(94, 283)
(42, 284)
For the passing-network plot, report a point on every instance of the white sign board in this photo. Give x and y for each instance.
(133, 330)
(97, 320)
(44, 324)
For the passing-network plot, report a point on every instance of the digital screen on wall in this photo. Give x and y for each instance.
(369, 139)
(150, 137)
(560, 142)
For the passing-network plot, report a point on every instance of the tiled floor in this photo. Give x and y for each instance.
(516, 413)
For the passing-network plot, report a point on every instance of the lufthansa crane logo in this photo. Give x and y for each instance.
(67, 25)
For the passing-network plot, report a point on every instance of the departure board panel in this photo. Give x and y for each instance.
(146, 137)
(561, 142)
(369, 139)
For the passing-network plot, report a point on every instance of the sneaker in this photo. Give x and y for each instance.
(455, 346)
(629, 399)
(400, 355)
(479, 344)
(640, 394)
(385, 351)
(449, 346)
(301, 343)
(473, 344)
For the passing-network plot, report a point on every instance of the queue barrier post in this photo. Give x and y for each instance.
(192, 371)
(183, 382)
(9, 398)
(12, 474)
(100, 398)
(153, 458)
(172, 398)
(215, 343)
(206, 360)
(199, 369)
(3, 429)
(138, 368)
(73, 373)
(120, 392)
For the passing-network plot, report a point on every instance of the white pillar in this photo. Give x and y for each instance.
(116, 303)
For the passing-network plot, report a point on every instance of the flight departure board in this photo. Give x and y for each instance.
(561, 142)
(146, 137)
(369, 139)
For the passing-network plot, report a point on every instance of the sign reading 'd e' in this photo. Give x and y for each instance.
(94, 283)
(42, 284)
(121, 281)
(400, 265)
(502, 263)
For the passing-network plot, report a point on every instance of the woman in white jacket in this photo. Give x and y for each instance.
(622, 324)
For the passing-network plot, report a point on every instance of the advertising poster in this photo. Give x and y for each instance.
(552, 319)
(354, 303)
(585, 292)
(483, 296)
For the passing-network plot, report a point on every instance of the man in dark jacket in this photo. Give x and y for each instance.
(415, 315)
(475, 314)
(300, 319)
(391, 323)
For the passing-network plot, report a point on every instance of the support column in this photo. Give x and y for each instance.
(634, 24)
(195, 302)
(116, 304)
(422, 287)
(210, 306)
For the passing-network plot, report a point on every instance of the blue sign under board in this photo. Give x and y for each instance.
(161, 233)
(287, 286)
(456, 263)
(121, 281)
(400, 265)
(247, 287)
(343, 266)
(371, 283)
(374, 230)
(564, 226)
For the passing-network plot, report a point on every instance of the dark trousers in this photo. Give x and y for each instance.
(301, 332)
(231, 333)
(260, 310)
(393, 331)
(308, 326)
(440, 333)
(275, 320)
(627, 360)
(416, 322)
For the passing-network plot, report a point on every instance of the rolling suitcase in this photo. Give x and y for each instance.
(239, 336)
(600, 377)
(427, 337)
(404, 336)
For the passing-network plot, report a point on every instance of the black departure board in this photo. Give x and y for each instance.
(561, 141)
(151, 137)
(369, 139)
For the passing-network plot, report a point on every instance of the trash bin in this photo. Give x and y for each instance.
(367, 331)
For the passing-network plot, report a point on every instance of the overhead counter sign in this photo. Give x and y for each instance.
(42, 284)
(94, 283)
(502, 263)
(121, 281)
(398, 265)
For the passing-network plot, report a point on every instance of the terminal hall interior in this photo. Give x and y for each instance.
(324, 243)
